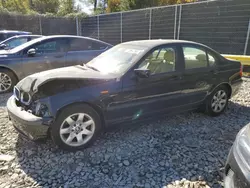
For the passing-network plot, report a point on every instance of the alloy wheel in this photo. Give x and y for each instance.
(77, 129)
(5, 82)
(219, 101)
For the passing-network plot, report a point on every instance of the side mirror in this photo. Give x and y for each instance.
(31, 52)
(3, 46)
(143, 73)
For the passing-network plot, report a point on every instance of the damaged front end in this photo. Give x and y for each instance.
(32, 103)
(37, 101)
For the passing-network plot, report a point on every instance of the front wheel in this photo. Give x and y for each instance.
(217, 102)
(76, 127)
(7, 81)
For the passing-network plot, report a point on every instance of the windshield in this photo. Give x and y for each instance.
(118, 59)
(25, 45)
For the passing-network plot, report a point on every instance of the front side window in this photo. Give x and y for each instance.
(162, 60)
(194, 58)
(51, 46)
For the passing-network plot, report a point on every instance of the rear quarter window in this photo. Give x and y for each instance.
(194, 58)
(86, 45)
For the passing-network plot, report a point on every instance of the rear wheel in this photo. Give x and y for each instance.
(7, 81)
(76, 127)
(217, 102)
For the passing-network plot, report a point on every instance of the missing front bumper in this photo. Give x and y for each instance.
(27, 124)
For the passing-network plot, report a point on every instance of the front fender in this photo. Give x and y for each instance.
(61, 100)
(91, 94)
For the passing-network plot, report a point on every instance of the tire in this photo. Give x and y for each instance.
(217, 101)
(10, 81)
(75, 121)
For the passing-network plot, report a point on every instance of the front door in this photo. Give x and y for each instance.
(160, 92)
(50, 54)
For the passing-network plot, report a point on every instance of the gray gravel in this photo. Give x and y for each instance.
(187, 150)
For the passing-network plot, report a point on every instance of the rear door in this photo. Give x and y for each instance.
(200, 72)
(83, 50)
(50, 54)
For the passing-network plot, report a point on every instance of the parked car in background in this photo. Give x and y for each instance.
(15, 41)
(46, 53)
(237, 169)
(129, 82)
(5, 34)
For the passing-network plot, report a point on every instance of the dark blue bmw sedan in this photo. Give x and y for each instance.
(129, 82)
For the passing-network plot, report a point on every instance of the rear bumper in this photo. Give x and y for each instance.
(27, 124)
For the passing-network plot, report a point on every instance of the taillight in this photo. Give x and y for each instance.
(241, 70)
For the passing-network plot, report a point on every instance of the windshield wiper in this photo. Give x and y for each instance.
(91, 67)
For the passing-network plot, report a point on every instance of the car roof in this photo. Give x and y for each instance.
(71, 36)
(13, 31)
(42, 38)
(21, 36)
(157, 42)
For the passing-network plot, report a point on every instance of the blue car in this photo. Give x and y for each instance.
(44, 53)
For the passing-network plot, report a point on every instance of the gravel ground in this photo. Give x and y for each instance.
(187, 150)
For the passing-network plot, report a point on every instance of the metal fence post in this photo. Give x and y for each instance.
(40, 25)
(150, 24)
(247, 38)
(98, 27)
(121, 28)
(175, 20)
(77, 26)
(80, 26)
(179, 25)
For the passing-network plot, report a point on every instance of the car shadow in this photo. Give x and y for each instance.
(166, 149)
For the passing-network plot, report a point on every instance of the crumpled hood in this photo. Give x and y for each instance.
(32, 82)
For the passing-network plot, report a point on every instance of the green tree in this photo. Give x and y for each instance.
(45, 6)
(15, 5)
(66, 7)
(122, 5)
(114, 6)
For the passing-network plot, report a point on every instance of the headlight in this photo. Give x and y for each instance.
(41, 110)
(243, 146)
(25, 98)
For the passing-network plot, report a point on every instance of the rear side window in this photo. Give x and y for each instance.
(98, 45)
(194, 58)
(16, 42)
(4, 36)
(85, 45)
